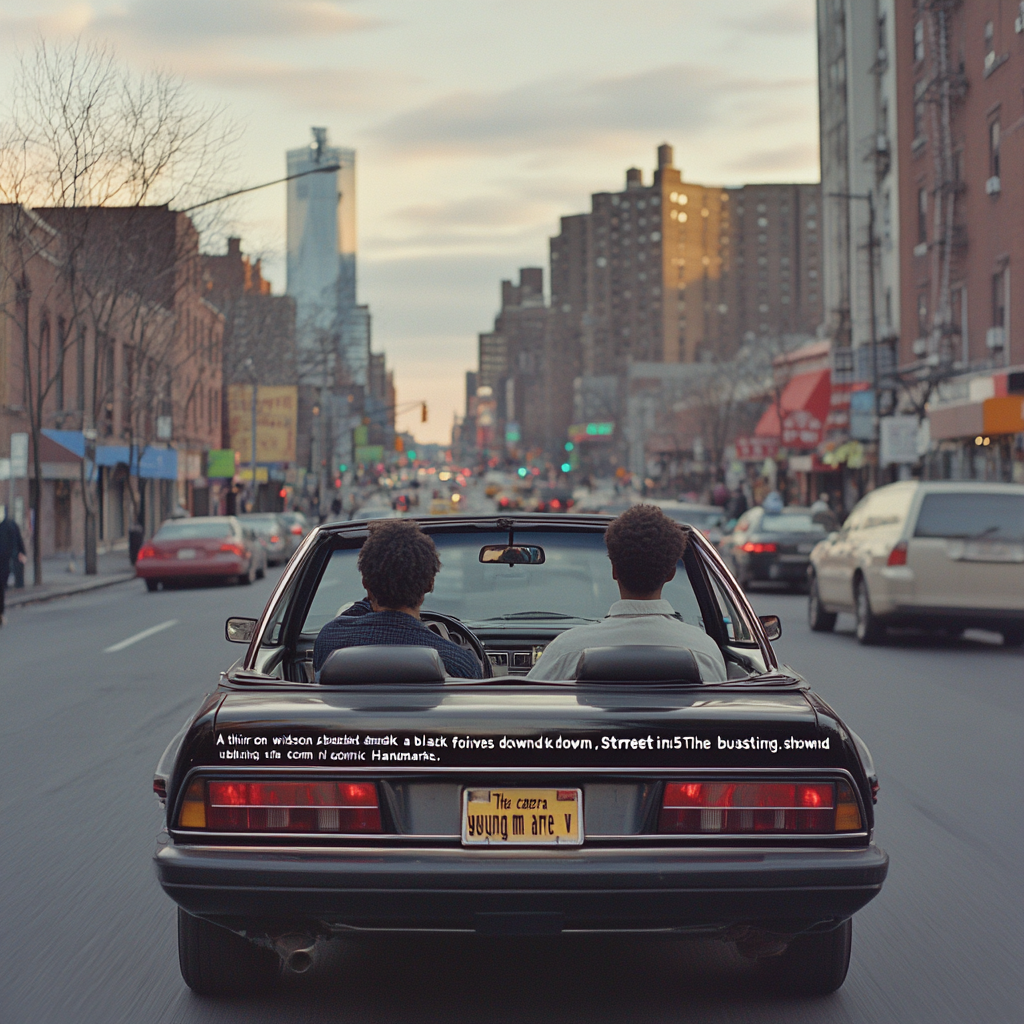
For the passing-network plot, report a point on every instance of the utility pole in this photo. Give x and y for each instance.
(872, 243)
(251, 367)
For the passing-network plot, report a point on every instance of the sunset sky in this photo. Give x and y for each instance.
(477, 124)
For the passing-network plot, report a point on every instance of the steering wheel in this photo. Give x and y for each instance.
(450, 624)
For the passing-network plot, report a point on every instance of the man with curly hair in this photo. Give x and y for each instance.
(398, 563)
(644, 546)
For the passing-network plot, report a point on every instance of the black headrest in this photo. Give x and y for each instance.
(638, 663)
(382, 665)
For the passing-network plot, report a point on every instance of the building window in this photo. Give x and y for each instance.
(919, 40)
(922, 314)
(80, 370)
(989, 39)
(994, 146)
(922, 215)
(62, 344)
(918, 120)
(999, 299)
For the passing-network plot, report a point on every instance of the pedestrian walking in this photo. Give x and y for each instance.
(12, 547)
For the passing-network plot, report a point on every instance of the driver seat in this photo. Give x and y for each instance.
(376, 665)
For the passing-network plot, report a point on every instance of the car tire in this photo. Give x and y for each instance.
(261, 572)
(813, 964)
(152, 585)
(1013, 636)
(869, 629)
(216, 962)
(818, 619)
(247, 577)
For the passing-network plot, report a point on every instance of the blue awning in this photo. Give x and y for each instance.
(155, 463)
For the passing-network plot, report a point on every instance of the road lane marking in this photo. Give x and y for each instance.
(114, 648)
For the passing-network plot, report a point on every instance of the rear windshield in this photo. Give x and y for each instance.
(791, 522)
(973, 516)
(194, 529)
(574, 583)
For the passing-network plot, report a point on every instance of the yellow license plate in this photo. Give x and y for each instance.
(514, 817)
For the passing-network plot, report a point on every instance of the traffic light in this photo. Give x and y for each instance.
(569, 446)
(411, 454)
(342, 467)
(522, 471)
(399, 444)
(566, 467)
(423, 413)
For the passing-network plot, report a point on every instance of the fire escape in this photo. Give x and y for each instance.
(945, 89)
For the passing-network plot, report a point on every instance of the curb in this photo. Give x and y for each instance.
(84, 588)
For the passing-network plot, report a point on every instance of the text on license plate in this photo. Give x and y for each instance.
(186, 552)
(504, 817)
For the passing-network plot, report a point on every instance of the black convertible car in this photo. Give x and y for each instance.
(633, 799)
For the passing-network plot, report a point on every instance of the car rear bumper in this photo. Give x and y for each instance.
(962, 618)
(766, 568)
(162, 569)
(640, 889)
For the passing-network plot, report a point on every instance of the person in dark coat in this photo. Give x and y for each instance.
(11, 546)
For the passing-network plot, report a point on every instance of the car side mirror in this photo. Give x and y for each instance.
(772, 626)
(239, 631)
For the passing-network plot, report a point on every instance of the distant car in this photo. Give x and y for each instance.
(201, 547)
(298, 525)
(947, 555)
(274, 533)
(773, 546)
(554, 499)
(709, 519)
(443, 507)
(375, 512)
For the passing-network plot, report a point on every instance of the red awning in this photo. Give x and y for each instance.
(805, 407)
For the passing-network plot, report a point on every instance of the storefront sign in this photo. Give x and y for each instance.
(898, 440)
(756, 449)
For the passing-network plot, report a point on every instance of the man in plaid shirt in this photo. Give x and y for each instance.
(398, 563)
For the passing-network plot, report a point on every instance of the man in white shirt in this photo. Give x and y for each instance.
(645, 547)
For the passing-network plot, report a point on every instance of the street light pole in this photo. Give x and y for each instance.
(251, 367)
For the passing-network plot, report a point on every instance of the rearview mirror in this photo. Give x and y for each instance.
(239, 631)
(512, 554)
(772, 626)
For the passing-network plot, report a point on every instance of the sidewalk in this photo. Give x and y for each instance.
(112, 567)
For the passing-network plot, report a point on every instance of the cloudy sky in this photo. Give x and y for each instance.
(477, 123)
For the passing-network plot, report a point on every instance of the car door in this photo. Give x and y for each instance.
(834, 565)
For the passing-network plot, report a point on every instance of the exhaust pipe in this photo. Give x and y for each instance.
(297, 951)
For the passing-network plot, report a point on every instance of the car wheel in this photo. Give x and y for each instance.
(1013, 636)
(249, 575)
(869, 629)
(216, 962)
(818, 619)
(261, 572)
(812, 965)
(152, 585)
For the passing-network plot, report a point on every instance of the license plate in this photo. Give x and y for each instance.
(521, 817)
(186, 552)
(805, 549)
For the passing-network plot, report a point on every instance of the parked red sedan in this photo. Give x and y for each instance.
(200, 548)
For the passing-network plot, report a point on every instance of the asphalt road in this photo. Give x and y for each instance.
(87, 936)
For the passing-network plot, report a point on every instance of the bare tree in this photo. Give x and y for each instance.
(84, 136)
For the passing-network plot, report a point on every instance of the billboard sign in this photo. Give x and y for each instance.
(276, 421)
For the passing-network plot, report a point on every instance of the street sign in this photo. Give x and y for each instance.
(898, 439)
(19, 456)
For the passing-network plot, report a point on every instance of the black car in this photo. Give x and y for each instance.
(773, 547)
(634, 799)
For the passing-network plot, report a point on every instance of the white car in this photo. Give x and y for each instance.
(947, 555)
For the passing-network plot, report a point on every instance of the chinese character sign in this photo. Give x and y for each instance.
(276, 419)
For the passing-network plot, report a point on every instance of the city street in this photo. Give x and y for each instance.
(94, 686)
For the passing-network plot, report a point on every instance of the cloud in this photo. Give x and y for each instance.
(167, 23)
(790, 17)
(558, 113)
(798, 157)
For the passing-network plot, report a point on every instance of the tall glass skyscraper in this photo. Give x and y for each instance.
(322, 264)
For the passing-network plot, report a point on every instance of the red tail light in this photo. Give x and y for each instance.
(898, 555)
(313, 806)
(297, 530)
(556, 503)
(758, 548)
(146, 551)
(274, 538)
(737, 808)
(233, 549)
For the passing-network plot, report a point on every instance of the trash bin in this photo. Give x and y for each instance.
(135, 535)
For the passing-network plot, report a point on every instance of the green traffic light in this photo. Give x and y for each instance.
(566, 467)
(522, 471)
(411, 454)
(342, 467)
(569, 446)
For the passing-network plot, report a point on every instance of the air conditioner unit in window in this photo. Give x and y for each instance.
(993, 186)
(995, 337)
